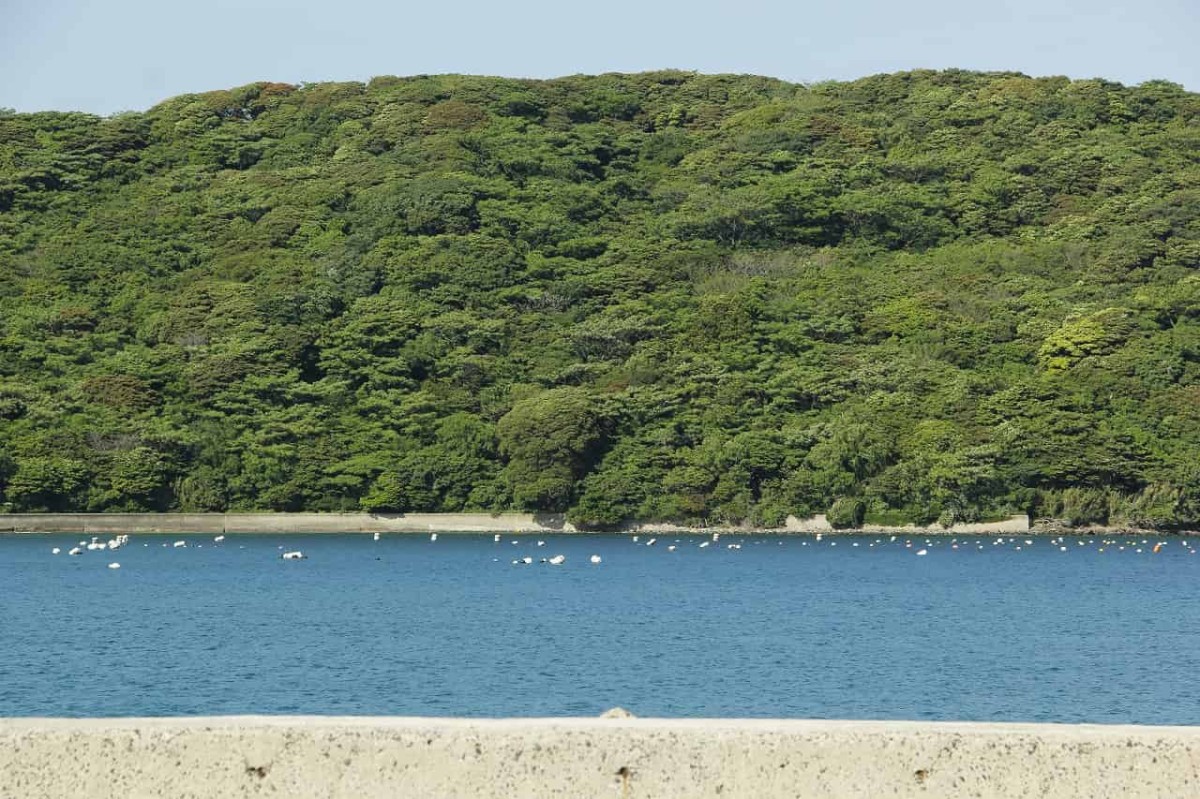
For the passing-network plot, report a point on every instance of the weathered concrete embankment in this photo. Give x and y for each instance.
(102, 523)
(107, 523)
(388, 757)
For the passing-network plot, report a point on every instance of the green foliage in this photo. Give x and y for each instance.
(846, 512)
(550, 440)
(1080, 506)
(912, 297)
(1096, 334)
(47, 484)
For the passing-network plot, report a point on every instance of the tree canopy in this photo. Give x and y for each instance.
(912, 297)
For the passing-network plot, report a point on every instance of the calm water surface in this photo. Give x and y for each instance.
(786, 627)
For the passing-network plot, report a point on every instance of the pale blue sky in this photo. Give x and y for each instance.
(111, 55)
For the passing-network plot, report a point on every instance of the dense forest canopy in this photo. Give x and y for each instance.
(913, 297)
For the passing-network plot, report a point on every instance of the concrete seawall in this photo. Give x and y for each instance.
(110, 523)
(106, 523)
(626, 758)
(820, 524)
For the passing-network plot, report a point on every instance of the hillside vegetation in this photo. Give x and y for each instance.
(913, 297)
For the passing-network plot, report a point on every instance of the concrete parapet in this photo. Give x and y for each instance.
(627, 758)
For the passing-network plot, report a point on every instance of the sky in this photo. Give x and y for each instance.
(106, 56)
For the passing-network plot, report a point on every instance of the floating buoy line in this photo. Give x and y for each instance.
(920, 546)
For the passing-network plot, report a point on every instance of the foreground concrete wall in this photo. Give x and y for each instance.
(365, 757)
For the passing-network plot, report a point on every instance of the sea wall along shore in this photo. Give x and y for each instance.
(626, 758)
(108, 523)
(103, 523)
(1013, 524)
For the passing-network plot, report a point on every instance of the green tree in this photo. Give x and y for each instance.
(550, 440)
(47, 484)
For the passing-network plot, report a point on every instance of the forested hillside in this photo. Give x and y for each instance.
(914, 297)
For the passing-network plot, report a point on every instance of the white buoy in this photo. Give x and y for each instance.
(114, 565)
(433, 536)
(496, 538)
(55, 551)
(594, 559)
(557, 560)
(294, 555)
(375, 537)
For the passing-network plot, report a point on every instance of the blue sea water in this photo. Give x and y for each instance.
(783, 627)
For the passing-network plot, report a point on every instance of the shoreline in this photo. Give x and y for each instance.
(625, 757)
(505, 523)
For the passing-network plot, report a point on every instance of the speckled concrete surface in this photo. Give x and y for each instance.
(626, 758)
